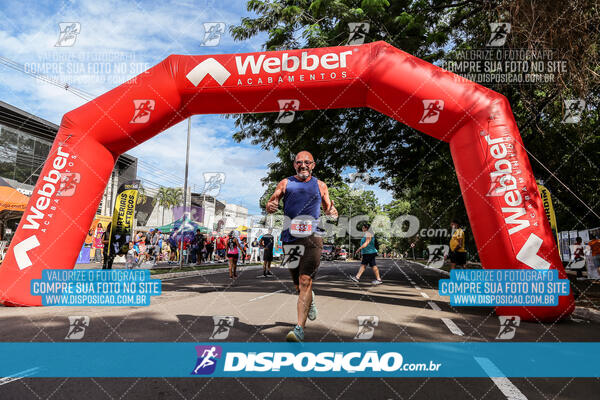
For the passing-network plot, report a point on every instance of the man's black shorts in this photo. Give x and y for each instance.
(369, 259)
(458, 257)
(310, 259)
(268, 254)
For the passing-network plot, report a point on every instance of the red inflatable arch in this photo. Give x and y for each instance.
(498, 186)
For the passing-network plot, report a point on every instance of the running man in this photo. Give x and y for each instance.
(369, 252)
(266, 243)
(303, 195)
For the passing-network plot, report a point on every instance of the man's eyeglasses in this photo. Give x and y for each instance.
(304, 162)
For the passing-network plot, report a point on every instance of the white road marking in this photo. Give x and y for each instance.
(452, 326)
(424, 295)
(266, 295)
(447, 321)
(18, 375)
(502, 382)
(417, 287)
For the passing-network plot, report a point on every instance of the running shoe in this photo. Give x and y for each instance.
(269, 273)
(354, 278)
(377, 282)
(295, 335)
(312, 311)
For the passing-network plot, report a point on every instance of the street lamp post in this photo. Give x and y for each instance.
(185, 185)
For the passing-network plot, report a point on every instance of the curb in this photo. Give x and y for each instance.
(186, 274)
(587, 313)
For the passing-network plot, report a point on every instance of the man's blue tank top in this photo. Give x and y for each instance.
(301, 198)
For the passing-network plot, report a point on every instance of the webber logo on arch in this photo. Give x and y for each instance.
(309, 67)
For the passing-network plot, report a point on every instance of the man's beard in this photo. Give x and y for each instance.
(303, 174)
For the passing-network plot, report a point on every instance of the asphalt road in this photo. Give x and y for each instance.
(406, 308)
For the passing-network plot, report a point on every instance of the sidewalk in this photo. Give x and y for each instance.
(163, 269)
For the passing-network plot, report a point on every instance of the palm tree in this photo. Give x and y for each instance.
(142, 197)
(175, 197)
(163, 199)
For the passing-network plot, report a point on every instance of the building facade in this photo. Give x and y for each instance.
(25, 142)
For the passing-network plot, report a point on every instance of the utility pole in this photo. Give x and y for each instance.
(185, 185)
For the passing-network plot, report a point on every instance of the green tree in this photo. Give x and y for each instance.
(162, 199)
(417, 168)
(167, 198)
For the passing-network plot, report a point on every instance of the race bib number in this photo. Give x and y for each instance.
(301, 227)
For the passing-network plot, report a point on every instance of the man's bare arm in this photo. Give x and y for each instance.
(273, 203)
(326, 201)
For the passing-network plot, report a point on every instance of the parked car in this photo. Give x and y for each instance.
(328, 252)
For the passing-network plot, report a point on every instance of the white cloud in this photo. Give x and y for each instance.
(210, 151)
(143, 33)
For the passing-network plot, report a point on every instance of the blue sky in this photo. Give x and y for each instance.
(117, 40)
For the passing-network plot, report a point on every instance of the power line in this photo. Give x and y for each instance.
(19, 67)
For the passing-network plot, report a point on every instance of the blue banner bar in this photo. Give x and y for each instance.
(224, 359)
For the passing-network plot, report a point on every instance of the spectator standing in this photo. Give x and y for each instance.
(266, 243)
(458, 254)
(130, 257)
(97, 242)
(254, 255)
(243, 249)
(595, 253)
(108, 250)
(199, 246)
(210, 247)
(221, 244)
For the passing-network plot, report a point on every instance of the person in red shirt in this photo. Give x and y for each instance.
(221, 244)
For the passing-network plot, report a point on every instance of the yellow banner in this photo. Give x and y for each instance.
(549, 209)
(122, 220)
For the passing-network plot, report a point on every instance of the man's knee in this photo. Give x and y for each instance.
(305, 282)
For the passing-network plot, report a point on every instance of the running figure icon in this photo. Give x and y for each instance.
(207, 359)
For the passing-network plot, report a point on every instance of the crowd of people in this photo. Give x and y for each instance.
(155, 246)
